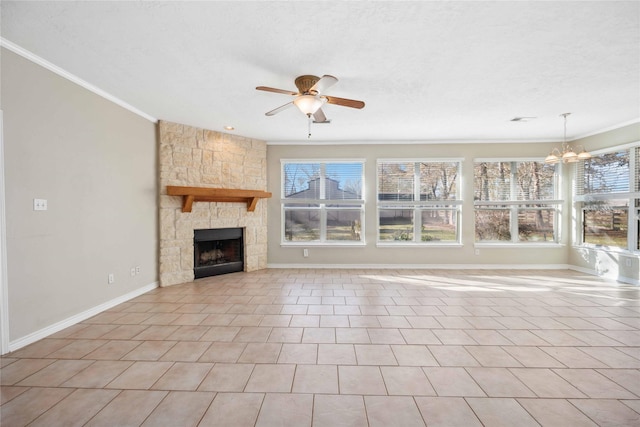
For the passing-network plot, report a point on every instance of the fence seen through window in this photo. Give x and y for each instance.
(322, 201)
(607, 194)
(418, 201)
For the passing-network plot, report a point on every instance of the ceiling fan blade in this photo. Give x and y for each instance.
(345, 102)
(323, 84)
(319, 117)
(277, 110)
(272, 89)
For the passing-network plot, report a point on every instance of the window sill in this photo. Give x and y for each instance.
(615, 250)
(518, 245)
(418, 245)
(323, 244)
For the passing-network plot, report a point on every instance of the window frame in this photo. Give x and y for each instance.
(324, 205)
(418, 206)
(515, 205)
(632, 197)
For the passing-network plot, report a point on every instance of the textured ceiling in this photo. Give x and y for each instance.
(428, 71)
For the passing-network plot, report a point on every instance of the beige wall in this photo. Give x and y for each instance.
(608, 263)
(371, 255)
(623, 135)
(95, 163)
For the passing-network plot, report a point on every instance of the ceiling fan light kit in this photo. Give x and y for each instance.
(309, 104)
(310, 98)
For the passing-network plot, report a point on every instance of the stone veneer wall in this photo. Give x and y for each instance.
(203, 158)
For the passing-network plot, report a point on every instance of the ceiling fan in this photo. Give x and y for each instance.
(310, 97)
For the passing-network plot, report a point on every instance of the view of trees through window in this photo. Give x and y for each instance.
(322, 201)
(602, 188)
(418, 201)
(515, 201)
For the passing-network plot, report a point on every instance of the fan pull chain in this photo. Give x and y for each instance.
(309, 126)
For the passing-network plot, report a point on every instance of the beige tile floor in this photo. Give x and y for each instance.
(343, 348)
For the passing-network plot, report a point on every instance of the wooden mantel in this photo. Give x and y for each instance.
(203, 194)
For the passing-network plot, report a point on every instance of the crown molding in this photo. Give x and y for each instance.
(72, 78)
(9, 45)
(607, 129)
(416, 142)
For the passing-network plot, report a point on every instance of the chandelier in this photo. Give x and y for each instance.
(566, 153)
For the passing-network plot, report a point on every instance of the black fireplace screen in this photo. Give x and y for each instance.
(217, 251)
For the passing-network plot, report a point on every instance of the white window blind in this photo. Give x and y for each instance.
(396, 181)
(535, 181)
(343, 181)
(322, 201)
(603, 174)
(299, 179)
(492, 181)
(417, 181)
(438, 180)
(637, 169)
(515, 201)
(323, 181)
(606, 188)
(418, 201)
(514, 181)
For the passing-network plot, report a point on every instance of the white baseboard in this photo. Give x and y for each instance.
(70, 321)
(427, 266)
(56, 327)
(460, 267)
(613, 277)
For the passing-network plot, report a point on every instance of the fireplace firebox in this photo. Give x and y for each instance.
(218, 251)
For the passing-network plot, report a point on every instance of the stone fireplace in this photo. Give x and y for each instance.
(196, 157)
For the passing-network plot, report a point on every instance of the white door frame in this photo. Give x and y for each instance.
(4, 286)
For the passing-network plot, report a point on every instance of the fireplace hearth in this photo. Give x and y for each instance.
(218, 251)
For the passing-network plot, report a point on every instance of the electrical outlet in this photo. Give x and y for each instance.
(39, 204)
(305, 252)
(133, 271)
(112, 278)
(627, 262)
(477, 252)
(137, 269)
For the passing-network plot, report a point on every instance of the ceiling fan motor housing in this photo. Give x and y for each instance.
(306, 82)
(310, 96)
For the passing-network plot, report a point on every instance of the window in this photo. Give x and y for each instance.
(516, 201)
(607, 194)
(418, 201)
(322, 201)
